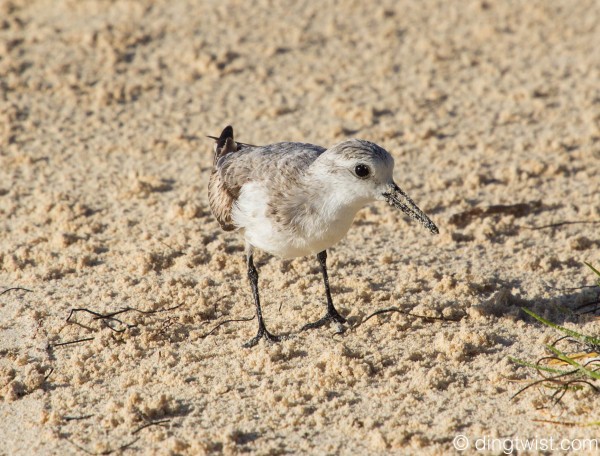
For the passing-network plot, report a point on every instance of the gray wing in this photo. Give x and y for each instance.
(282, 164)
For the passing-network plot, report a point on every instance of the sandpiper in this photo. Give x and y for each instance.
(294, 199)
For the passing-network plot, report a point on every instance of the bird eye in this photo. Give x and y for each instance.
(362, 171)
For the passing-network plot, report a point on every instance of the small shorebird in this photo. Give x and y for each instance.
(295, 199)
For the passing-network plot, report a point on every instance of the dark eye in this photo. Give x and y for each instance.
(362, 171)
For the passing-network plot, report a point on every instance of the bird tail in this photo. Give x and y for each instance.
(224, 144)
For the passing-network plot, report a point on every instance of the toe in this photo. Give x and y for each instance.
(252, 342)
(264, 334)
(329, 318)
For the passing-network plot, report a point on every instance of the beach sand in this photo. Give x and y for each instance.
(492, 113)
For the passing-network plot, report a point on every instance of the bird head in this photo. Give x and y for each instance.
(363, 171)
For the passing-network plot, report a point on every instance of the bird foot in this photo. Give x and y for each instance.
(332, 316)
(263, 333)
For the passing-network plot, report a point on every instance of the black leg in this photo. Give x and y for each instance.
(262, 330)
(332, 314)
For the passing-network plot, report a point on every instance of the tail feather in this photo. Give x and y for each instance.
(225, 134)
(224, 144)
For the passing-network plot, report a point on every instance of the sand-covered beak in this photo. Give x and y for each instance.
(400, 200)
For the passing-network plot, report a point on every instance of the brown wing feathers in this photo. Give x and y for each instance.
(221, 196)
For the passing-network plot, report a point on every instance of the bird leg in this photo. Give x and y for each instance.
(332, 314)
(262, 329)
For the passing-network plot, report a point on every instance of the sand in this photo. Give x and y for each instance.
(103, 205)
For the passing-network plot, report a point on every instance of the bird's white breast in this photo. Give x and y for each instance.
(309, 233)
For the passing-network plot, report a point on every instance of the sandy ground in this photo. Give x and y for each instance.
(103, 205)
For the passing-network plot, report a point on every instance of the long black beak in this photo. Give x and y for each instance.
(400, 200)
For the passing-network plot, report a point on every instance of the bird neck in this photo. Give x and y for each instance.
(332, 201)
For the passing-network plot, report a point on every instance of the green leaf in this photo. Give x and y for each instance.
(593, 269)
(574, 334)
(563, 357)
(535, 366)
